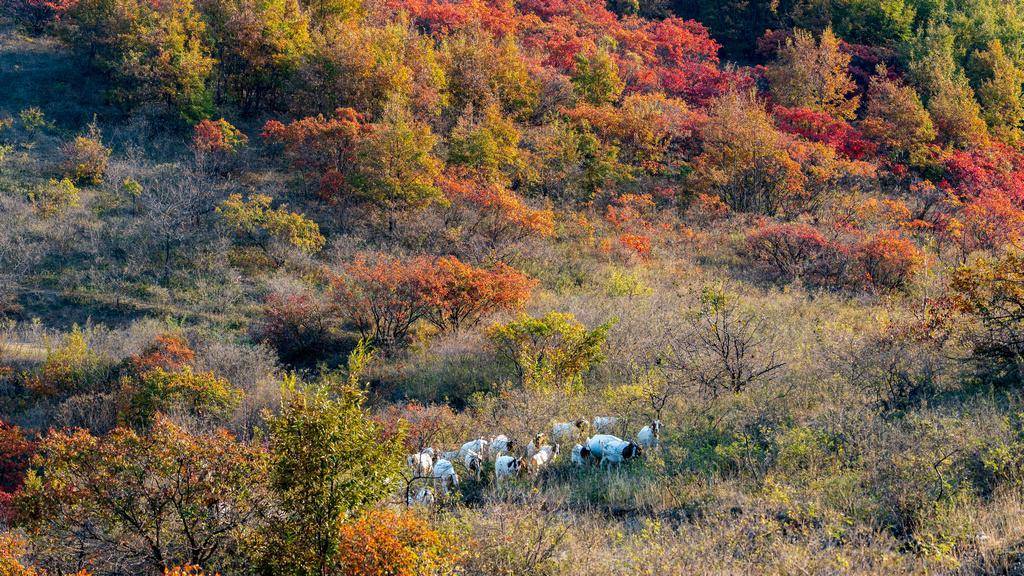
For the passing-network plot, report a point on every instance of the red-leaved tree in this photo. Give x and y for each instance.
(322, 147)
(15, 453)
(790, 251)
(385, 296)
(36, 15)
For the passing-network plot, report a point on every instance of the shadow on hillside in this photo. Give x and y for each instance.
(40, 72)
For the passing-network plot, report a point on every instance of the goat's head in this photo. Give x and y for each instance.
(585, 453)
(475, 465)
(632, 450)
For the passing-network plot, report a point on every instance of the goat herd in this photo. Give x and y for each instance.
(510, 462)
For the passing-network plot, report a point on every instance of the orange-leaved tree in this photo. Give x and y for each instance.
(745, 160)
(386, 543)
(139, 502)
(492, 220)
(385, 296)
(322, 147)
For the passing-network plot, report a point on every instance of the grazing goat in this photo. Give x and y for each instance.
(422, 463)
(603, 424)
(450, 455)
(474, 463)
(565, 432)
(479, 446)
(542, 458)
(500, 445)
(580, 455)
(649, 436)
(535, 444)
(615, 453)
(445, 476)
(506, 467)
(596, 443)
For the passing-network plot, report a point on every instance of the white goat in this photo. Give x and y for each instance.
(506, 467)
(445, 476)
(479, 446)
(649, 436)
(474, 463)
(422, 463)
(545, 456)
(423, 497)
(615, 453)
(565, 432)
(500, 445)
(580, 455)
(535, 445)
(603, 424)
(596, 443)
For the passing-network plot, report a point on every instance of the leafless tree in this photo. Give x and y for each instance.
(724, 348)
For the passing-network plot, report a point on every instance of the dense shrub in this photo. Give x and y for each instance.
(298, 325)
(70, 368)
(329, 462)
(15, 453)
(549, 352)
(255, 219)
(199, 394)
(384, 543)
(787, 252)
(55, 197)
(167, 351)
(888, 260)
(142, 501)
(386, 296)
(37, 15)
(86, 158)
(217, 137)
(990, 290)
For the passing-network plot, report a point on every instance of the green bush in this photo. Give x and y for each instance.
(70, 368)
(200, 394)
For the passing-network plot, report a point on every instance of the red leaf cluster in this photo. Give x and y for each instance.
(320, 145)
(791, 251)
(386, 296)
(167, 351)
(822, 127)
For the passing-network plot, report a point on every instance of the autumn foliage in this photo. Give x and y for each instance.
(321, 146)
(791, 251)
(385, 543)
(385, 296)
(15, 453)
(36, 15)
(493, 220)
(217, 137)
(166, 351)
(153, 489)
(888, 260)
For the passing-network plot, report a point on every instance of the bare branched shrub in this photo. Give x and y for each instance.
(726, 348)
